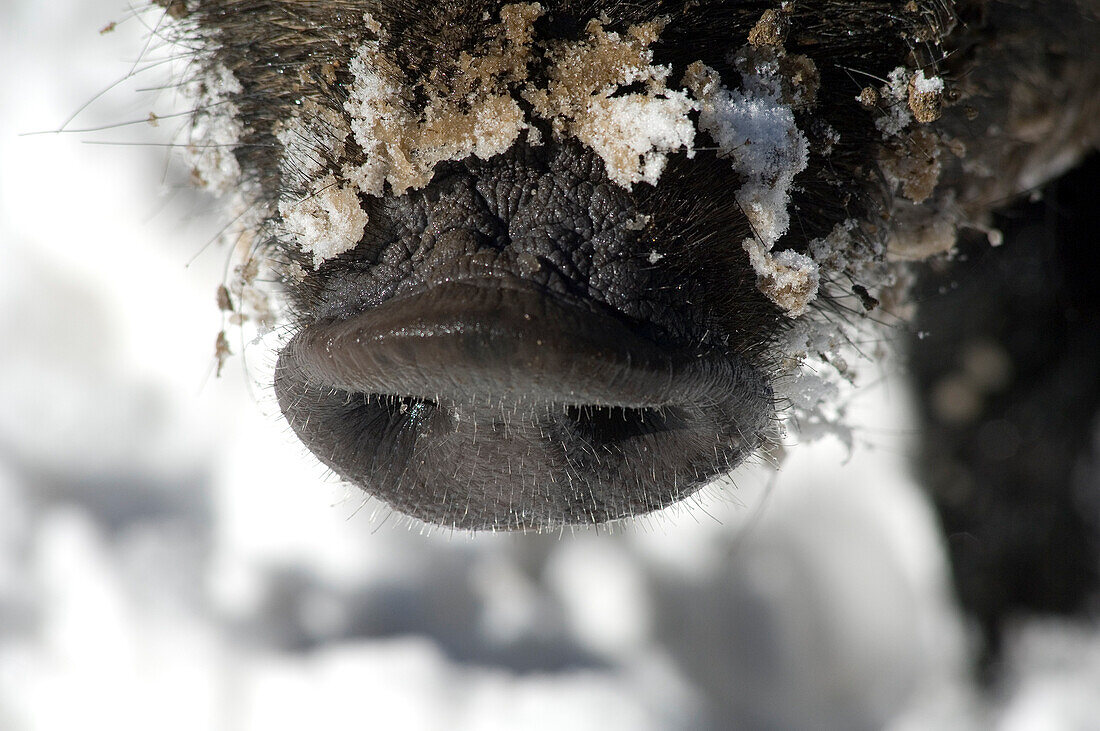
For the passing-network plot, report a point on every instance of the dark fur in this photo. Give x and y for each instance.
(1017, 482)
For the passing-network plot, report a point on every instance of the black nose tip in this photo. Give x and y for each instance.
(493, 404)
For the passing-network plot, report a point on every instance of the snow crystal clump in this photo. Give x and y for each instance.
(633, 134)
(788, 278)
(906, 97)
(756, 131)
(215, 131)
(925, 97)
(327, 222)
(927, 85)
(323, 217)
(895, 97)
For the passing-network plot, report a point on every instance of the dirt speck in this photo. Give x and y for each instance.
(868, 97)
(925, 97)
(769, 30)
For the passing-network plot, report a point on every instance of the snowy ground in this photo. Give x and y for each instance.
(171, 558)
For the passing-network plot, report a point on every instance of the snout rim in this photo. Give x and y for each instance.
(470, 339)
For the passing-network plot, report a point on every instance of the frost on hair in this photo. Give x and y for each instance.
(327, 222)
(215, 131)
(755, 129)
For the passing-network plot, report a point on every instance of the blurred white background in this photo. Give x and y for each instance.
(171, 558)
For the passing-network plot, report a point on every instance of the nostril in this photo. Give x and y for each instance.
(613, 424)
